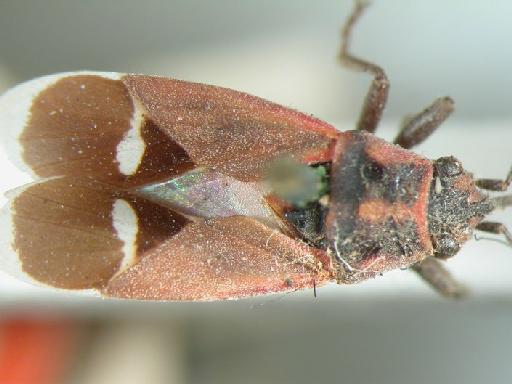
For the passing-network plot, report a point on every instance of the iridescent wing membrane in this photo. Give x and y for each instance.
(151, 188)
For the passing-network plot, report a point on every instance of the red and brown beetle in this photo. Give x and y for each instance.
(155, 188)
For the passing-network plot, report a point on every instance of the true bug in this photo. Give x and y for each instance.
(155, 188)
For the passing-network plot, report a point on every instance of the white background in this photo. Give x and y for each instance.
(285, 51)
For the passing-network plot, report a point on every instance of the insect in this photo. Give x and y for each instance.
(160, 189)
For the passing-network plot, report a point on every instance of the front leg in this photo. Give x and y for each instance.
(496, 228)
(495, 184)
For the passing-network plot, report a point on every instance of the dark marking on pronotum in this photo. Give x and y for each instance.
(374, 206)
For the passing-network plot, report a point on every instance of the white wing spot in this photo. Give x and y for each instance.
(124, 220)
(131, 148)
(9, 261)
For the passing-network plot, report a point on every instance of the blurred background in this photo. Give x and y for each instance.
(393, 329)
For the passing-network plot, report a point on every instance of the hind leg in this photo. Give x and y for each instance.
(377, 95)
(436, 275)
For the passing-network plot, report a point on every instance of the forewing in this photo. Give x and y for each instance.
(223, 259)
(75, 232)
(229, 131)
(86, 124)
(99, 141)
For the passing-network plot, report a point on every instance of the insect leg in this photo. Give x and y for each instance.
(502, 202)
(495, 184)
(417, 128)
(438, 277)
(378, 93)
(496, 228)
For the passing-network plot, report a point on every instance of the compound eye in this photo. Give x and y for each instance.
(446, 247)
(448, 167)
